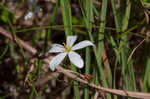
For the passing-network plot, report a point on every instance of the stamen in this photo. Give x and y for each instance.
(64, 44)
(67, 47)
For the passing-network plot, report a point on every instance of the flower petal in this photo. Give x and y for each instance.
(57, 60)
(82, 44)
(56, 48)
(71, 40)
(76, 59)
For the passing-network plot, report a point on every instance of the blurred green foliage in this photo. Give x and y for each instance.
(6, 15)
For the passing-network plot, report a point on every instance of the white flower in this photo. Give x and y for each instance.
(68, 49)
(28, 15)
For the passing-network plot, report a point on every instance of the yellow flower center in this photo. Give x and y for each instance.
(67, 47)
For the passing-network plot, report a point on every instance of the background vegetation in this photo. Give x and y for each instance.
(120, 59)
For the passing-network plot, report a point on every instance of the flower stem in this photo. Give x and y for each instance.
(75, 83)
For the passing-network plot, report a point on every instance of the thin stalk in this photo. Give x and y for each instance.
(67, 17)
(113, 3)
(87, 71)
(147, 69)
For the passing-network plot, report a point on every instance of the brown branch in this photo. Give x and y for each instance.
(73, 76)
(21, 42)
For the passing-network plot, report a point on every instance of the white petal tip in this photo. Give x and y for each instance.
(52, 68)
(81, 66)
(82, 44)
(92, 44)
(50, 51)
(89, 43)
